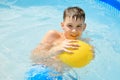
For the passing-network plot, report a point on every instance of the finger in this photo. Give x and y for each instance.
(73, 44)
(92, 48)
(68, 51)
(72, 41)
(71, 47)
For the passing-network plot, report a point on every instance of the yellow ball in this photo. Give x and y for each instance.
(79, 57)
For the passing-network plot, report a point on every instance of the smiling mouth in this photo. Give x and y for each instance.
(73, 35)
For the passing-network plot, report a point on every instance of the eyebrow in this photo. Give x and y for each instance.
(69, 23)
(80, 24)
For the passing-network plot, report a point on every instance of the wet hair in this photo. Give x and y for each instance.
(74, 12)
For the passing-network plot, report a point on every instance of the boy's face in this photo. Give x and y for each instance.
(73, 28)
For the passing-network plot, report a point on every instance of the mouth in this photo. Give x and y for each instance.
(73, 35)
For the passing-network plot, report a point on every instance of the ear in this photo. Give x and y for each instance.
(62, 25)
(84, 27)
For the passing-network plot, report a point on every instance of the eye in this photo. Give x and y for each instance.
(69, 26)
(79, 26)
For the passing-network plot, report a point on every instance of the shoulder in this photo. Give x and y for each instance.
(87, 40)
(53, 32)
(51, 36)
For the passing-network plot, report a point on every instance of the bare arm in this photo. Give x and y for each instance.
(43, 50)
(48, 49)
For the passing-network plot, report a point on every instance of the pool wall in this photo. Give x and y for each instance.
(114, 3)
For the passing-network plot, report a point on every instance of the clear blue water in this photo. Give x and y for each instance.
(23, 23)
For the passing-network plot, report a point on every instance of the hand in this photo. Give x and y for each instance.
(68, 44)
(93, 51)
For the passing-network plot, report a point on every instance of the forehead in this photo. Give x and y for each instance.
(73, 20)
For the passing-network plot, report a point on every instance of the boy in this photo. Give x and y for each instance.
(56, 42)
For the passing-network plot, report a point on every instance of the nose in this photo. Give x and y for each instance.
(74, 30)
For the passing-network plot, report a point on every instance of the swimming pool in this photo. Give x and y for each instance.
(23, 23)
